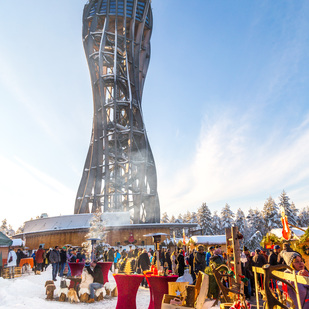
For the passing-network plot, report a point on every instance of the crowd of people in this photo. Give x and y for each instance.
(174, 261)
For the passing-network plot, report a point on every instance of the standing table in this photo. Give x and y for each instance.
(26, 261)
(158, 286)
(127, 286)
(105, 267)
(76, 272)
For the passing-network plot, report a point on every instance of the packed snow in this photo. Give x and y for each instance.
(28, 291)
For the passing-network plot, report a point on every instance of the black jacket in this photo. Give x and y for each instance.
(273, 259)
(63, 256)
(258, 260)
(180, 260)
(199, 261)
(96, 274)
(143, 261)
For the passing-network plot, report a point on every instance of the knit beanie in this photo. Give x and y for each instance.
(289, 257)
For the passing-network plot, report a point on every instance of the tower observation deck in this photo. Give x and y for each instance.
(119, 173)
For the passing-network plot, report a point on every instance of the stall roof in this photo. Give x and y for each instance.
(298, 233)
(5, 241)
(209, 239)
(18, 242)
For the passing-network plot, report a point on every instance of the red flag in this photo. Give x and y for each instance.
(183, 236)
(286, 232)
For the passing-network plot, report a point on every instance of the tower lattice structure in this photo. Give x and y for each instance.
(119, 173)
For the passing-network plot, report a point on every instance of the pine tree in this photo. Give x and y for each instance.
(240, 221)
(187, 217)
(96, 230)
(173, 219)
(227, 217)
(165, 218)
(255, 222)
(271, 215)
(295, 211)
(179, 219)
(303, 218)
(204, 219)
(254, 241)
(289, 212)
(194, 220)
(216, 224)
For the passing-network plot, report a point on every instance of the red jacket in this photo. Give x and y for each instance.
(39, 256)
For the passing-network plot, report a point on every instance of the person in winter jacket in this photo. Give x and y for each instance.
(117, 257)
(190, 261)
(295, 261)
(12, 262)
(110, 255)
(97, 275)
(39, 258)
(63, 260)
(168, 259)
(20, 255)
(199, 262)
(180, 261)
(87, 278)
(54, 258)
(209, 254)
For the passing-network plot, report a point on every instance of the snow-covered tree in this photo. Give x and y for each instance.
(216, 224)
(289, 212)
(173, 219)
(165, 218)
(254, 241)
(240, 221)
(255, 222)
(227, 217)
(96, 230)
(6, 229)
(187, 217)
(179, 219)
(194, 219)
(204, 219)
(271, 215)
(303, 218)
(295, 211)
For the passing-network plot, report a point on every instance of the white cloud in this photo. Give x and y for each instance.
(231, 165)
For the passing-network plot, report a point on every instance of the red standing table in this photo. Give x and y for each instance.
(127, 286)
(158, 286)
(105, 267)
(76, 269)
(76, 273)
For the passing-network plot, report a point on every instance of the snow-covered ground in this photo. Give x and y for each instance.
(28, 291)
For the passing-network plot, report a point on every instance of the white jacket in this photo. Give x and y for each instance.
(14, 259)
(86, 279)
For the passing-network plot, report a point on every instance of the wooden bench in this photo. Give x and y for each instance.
(6, 272)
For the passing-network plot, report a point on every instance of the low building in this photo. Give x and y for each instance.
(72, 229)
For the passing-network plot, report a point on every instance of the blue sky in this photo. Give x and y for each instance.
(225, 104)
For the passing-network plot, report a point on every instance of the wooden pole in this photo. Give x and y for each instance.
(297, 227)
(256, 289)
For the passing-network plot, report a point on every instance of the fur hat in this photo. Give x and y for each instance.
(289, 257)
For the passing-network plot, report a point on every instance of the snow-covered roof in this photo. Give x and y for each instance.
(82, 221)
(209, 239)
(297, 232)
(17, 242)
